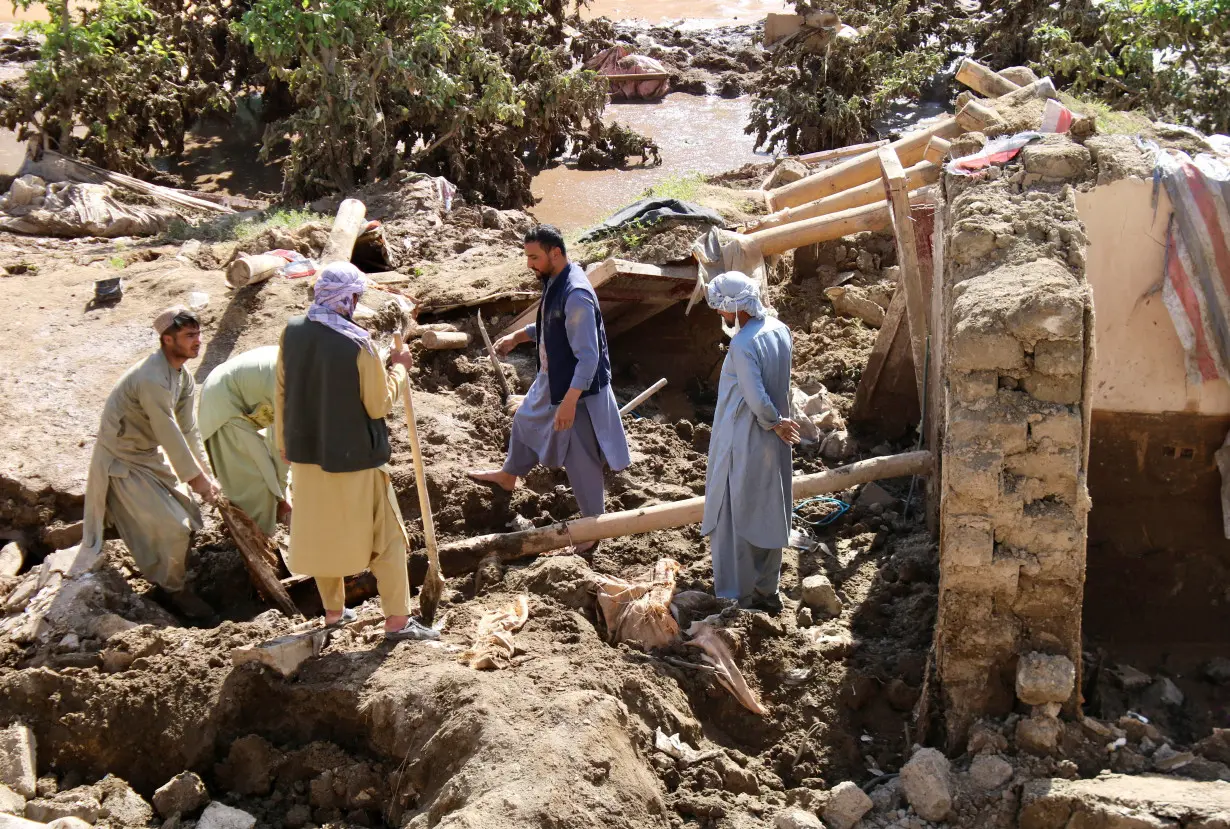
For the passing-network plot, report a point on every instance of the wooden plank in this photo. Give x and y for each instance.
(636, 316)
(897, 191)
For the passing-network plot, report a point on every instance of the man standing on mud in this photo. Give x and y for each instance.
(333, 394)
(236, 403)
(569, 418)
(748, 483)
(130, 484)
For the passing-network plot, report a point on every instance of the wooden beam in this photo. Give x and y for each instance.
(462, 557)
(983, 80)
(841, 152)
(635, 316)
(642, 397)
(347, 225)
(777, 240)
(907, 257)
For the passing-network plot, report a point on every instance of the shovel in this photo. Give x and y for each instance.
(433, 584)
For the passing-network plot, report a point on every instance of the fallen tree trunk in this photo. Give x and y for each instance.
(349, 223)
(874, 217)
(984, 80)
(462, 557)
(841, 152)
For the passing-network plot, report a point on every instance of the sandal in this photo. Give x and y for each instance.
(414, 630)
(347, 617)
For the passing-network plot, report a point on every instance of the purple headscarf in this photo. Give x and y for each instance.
(337, 291)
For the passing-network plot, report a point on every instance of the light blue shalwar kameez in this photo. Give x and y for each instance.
(596, 435)
(747, 490)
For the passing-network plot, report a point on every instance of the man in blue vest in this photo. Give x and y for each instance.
(569, 418)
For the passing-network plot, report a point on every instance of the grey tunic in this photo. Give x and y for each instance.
(748, 486)
(598, 432)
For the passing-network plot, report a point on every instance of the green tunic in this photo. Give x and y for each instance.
(237, 402)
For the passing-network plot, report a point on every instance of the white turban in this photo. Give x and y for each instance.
(732, 292)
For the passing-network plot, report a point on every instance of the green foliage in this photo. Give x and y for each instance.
(129, 74)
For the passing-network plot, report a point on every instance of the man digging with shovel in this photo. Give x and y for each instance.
(569, 418)
(333, 394)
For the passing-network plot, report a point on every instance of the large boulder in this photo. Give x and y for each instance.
(183, 793)
(926, 779)
(1042, 678)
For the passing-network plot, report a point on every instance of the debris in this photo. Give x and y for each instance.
(284, 654)
(493, 643)
(814, 413)
(1216, 746)
(997, 151)
(1168, 692)
(17, 760)
(348, 224)
(1167, 759)
(642, 397)
(248, 270)
(11, 559)
(819, 595)
(639, 612)
(1117, 800)
(852, 302)
(872, 494)
(181, 795)
(219, 816)
(887, 796)
(250, 766)
(122, 805)
(11, 803)
(260, 555)
(1042, 678)
(838, 446)
(505, 392)
(648, 212)
(1218, 670)
(797, 819)
(925, 780)
(718, 653)
(786, 171)
(847, 805)
(989, 772)
(75, 210)
(1130, 678)
(619, 63)
(675, 747)
(1038, 735)
(79, 803)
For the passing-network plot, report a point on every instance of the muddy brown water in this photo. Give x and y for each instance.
(697, 135)
(693, 14)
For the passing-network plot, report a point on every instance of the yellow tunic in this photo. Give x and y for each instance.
(130, 484)
(342, 520)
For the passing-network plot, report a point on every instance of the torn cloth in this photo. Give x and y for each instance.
(493, 643)
(639, 612)
(720, 251)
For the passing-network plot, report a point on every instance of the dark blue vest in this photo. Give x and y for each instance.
(561, 362)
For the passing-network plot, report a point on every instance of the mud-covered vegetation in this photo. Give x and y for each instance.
(1169, 59)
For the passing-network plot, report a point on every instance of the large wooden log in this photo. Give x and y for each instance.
(462, 557)
(876, 217)
(893, 177)
(841, 152)
(349, 223)
(983, 80)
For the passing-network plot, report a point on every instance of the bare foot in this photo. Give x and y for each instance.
(504, 480)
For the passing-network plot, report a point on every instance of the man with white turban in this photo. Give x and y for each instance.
(130, 484)
(333, 394)
(747, 489)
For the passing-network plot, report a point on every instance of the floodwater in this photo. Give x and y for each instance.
(690, 14)
(696, 135)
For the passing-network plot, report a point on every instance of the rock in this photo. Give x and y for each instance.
(15, 822)
(183, 793)
(1218, 671)
(797, 819)
(788, 170)
(1042, 678)
(925, 780)
(284, 654)
(62, 536)
(838, 446)
(121, 805)
(1136, 730)
(68, 823)
(23, 190)
(297, 817)
(492, 220)
(971, 143)
(1114, 801)
(17, 754)
(901, 695)
(1168, 692)
(850, 301)
(803, 617)
(887, 797)
(1019, 75)
(1038, 735)
(1130, 678)
(11, 803)
(250, 766)
(1216, 746)
(1166, 758)
(1061, 159)
(219, 816)
(819, 595)
(872, 494)
(567, 579)
(983, 738)
(988, 772)
(79, 803)
(11, 559)
(846, 807)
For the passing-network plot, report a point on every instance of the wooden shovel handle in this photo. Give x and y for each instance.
(420, 479)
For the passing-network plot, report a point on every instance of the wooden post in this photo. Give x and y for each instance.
(505, 392)
(347, 225)
(462, 557)
(440, 340)
(920, 175)
(983, 80)
(642, 397)
(841, 152)
(937, 148)
(777, 240)
(907, 257)
(976, 116)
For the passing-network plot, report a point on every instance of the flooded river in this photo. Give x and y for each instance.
(696, 134)
(690, 14)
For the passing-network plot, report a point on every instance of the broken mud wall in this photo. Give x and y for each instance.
(1157, 552)
(1016, 321)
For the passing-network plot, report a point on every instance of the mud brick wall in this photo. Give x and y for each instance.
(1016, 321)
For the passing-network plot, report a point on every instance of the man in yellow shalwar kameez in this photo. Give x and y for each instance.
(333, 393)
(237, 401)
(130, 484)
